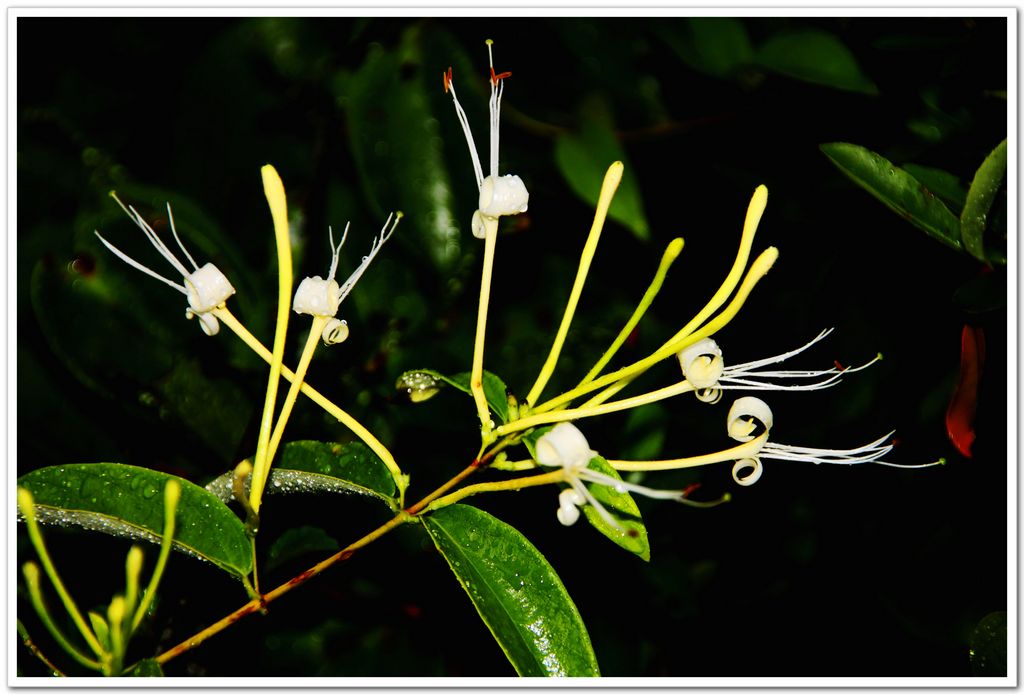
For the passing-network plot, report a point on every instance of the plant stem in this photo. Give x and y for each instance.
(258, 604)
(313, 394)
(612, 178)
(506, 485)
(31, 572)
(172, 493)
(26, 641)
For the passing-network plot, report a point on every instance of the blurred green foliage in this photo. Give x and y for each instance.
(813, 571)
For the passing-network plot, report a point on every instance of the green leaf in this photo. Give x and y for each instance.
(336, 466)
(944, 184)
(583, 158)
(146, 668)
(128, 501)
(817, 57)
(100, 628)
(982, 192)
(622, 508)
(515, 590)
(322, 466)
(897, 189)
(296, 542)
(988, 646)
(714, 45)
(393, 102)
(423, 384)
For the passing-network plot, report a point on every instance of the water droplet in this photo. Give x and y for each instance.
(418, 385)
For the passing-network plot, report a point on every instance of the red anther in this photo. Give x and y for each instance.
(690, 489)
(499, 76)
(839, 366)
(447, 76)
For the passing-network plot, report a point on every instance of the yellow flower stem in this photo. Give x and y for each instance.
(313, 394)
(315, 331)
(507, 485)
(172, 493)
(27, 507)
(514, 466)
(31, 573)
(757, 270)
(744, 450)
(274, 190)
(669, 257)
(612, 178)
(608, 392)
(476, 379)
(543, 418)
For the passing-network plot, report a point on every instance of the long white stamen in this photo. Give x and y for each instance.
(598, 506)
(464, 122)
(139, 266)
(170, 217)
(154, 239)
(378, 242)
(336, 250)
(495, 111)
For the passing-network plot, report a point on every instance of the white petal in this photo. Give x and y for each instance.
(740, 422)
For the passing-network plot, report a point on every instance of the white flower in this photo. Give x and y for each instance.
(702, 365)
(566, 447)
(499, 195)
(750, 418)
(206, 287)
(322, 297)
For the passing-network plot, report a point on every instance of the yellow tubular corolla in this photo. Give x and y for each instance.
(612, 178)
(274, 190)
(744, 450)
(476, 380)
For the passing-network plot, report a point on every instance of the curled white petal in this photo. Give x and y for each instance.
(740, 474)
(208, 288)
(564, 446)
(503, 195)
(702, 363)
(742, 415)
(709, 395)
(477, 225)
(568, 512)
(207, 321)
(317, 297)
(335, 331)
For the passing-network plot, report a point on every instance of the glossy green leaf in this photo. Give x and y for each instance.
(128, 501)
(297, 542)
(422, 384)
(988, 646)
(393, 102)
(583, 157)
(897, 189)
(944, 184)
(146, 668)
(515, 590)
(817, 57)
(322, 466)
(622, 507)
(983, 191)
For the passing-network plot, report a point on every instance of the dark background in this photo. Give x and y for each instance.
(813, 571)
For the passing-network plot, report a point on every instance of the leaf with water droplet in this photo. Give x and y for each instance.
(323, 466)
(495, 391)
(516, 592)
(943, 183)
(897, 189)
(981, 194)
(128, 501)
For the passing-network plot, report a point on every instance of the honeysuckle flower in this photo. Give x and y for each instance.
(322, 297)
(499, 195)
(206, 287)
(566, 447)
(750, 419)
(703, 367)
